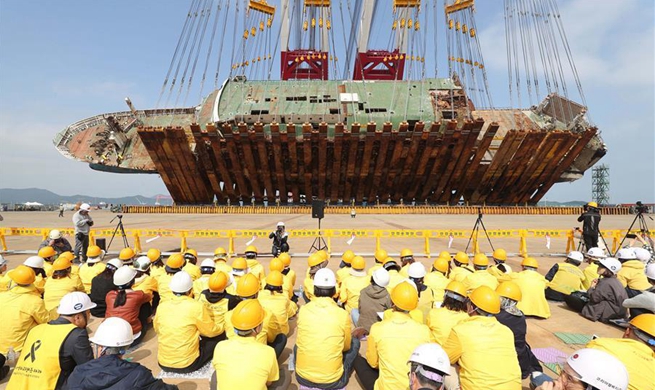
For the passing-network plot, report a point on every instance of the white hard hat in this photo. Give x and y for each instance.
(325, 278)
(611, 264)
(54, 234)
(75, 302)
(116, 263)
(596, 253)
(85, 207)
(280, 224)
(381, 277)
(433, 356)
(93, 260)
(599, 369)
(416, 270)
(575, 256)
(124, 275)
(626, 254)
(3, 261)
(181, 282)
(113, 332)
(650, 271)
(142, 264)
(34, 262)
(208, 263)
(642, 254)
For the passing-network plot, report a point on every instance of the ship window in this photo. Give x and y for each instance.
(258, 112)
(370, 110)
(335, 111)
(296, 98)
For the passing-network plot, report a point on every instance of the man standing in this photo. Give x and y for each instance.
(61, 210)
(590, 219)
(82, 222)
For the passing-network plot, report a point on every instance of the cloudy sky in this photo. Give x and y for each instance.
(64, 61)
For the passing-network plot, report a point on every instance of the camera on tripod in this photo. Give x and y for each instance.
(640, 208)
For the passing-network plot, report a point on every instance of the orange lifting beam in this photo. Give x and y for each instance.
(317, 3)
(261, 6)
(459, 5)
(406, 3)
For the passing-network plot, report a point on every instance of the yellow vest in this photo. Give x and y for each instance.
(441, 321)
(590, 273)
(567, 279)
(223, 267)
(533, 291)
(460, 273)
(88, 273)
(637, 357)
(438, 282)
(38, 366)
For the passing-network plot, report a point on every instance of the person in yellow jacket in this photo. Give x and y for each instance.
(127, 256)
(207, 268)
(216, 299)
(482, 347)
(391, 342)
(273, 299)
(500, 267)
(93, 266)
(190, 267)
(453, 310)
(565, 278)
(157, 265)
(22, 309)
(144, 281)
(344, 268)
(353, 285)
(287, 284)
(242, 362)
(36, 263)
(636, 350)
(533, 289)
(591, 271)
(461, 268)
(406, 259)
(220, 261)
(325, 349)
(315, 262)
(394, 273)
(481, 276)
(287, 271)
(60, 283)
(426, 296)
(254, 266)
(437, 279)
(380, 256)
(52, 350)
(239, 269)
(632, 275)
(186, 332)
(48, 254)
(174, 264)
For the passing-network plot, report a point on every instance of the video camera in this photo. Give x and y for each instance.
(640, 208)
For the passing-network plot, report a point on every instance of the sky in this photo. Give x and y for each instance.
(65, 61)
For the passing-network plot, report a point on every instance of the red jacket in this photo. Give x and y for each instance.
(130, 310)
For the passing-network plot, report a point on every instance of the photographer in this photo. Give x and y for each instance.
(590, 219)
(82, 222)
(279, 237)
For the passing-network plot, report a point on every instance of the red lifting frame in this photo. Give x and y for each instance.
(367, 65)
(308, 68)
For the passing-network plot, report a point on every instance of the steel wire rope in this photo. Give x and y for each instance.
(472, 57)
(195, 61)
(220, 49)
(508, 40)
(485, 79)
(270, 67)
(399, 46)
(209, 51)
(450, 59)
(556, 63)
(424, 33)
(234, 66)
(531, 47)
(524, 33)
(412, 41)
(537, 28)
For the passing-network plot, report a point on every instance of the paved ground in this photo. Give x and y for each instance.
(540, 332)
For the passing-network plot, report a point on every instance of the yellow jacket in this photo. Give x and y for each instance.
(484, 350)
(155, 272)
(199, 285)
(533, 289)
(404, 271)
(255, 268)
(323, 336)
(281, 308)
(637, 357)
(22, 310)
(163, 286)
(192, 270)
(179, 323)
(438, 282)
(480, 278)
(270, 328)
(567, 279)
(425, 302)
(55, 289)
(441, 322)
(460, 273)
(632, 275)
(342, 274)
(223, 267)
(374, 268)
(5, 282)
(292, 276)
(243, 363)
(146, 283)
(497, 273)
(590, 273)
(308, 287)
(394, 279)
(217, 310)
(88, 273)
(350, 290)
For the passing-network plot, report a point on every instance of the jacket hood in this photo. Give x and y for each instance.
(375, 292)
(634, 264)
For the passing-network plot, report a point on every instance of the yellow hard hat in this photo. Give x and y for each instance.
(444, 254)
(481, 260)
(358, 263)
(457, 288)
(251, 248)
(592, 204)
(323, 254)
(191, 252)
(509, 290)
(175, 261)
(275, 278)
(314, 259)
(645, 323)
(348, 256)
(247, 315)
(406, 253)
(405, 296)
(46, 252)
(485, 299)
(22, 275)
(286, 258)
(93, 251)
(530, 262)
(441, 264)
(247, 286)
(220, 252)
(380, 255)
(66, 255)
(239, 263)
(276, 265)
(61, 264)
(461, 257)
(153, 254)
(500, 255)
(218, 281)
(126, 254)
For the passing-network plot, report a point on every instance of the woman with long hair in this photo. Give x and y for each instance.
(131, 305)
(101, 285)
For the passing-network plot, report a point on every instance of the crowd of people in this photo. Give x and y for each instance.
(459, 323)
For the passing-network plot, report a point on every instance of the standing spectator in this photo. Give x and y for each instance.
(353, 213)
(590, 219)
(57, 242)
(61, 210)
(82, 222)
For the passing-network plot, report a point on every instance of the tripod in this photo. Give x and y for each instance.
(643, 227)
(119, 226)
(476, 229)
(319, 241)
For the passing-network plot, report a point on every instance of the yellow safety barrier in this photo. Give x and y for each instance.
(3, 242)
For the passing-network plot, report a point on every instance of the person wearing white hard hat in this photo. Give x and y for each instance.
(37, 264)
(207, 268)
(565, 277)
(429, 365)
(426, 295)
(82, 222)
(590, 272)
(131, 305)
(643, 254)
(606, 296)
(373, 299)
(644, 302)
(58, 242)
(103, 284)
(632, 275)
(589, 369)
(108, 370)
(52, 350)
(280, 239)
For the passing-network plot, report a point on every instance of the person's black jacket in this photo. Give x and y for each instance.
(527, 360)
(100, 286)
(74, 351)
(590, 220)
(112, 372)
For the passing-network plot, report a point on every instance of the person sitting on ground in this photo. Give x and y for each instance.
(406, 259)
(344, 267)
(273, 299)
(127, 303)
(606, 296)
(533, 286)
(174, 264)
(480, 276)
(190, 267)
(36, 263)
(58, 242)
(644, 302)
(325, 350)
(565, 278)
(239, 269)
(109, 370)
(61, 283)
(156, 262)
(207, 268)
(453, 310)
(429, 365)
(373, 299)
(93, 266)
(591, 271)
(315, 262)
(254, 266)
(242, 362)
(53, 350)
(460, 269)
(483, 347)
(394, 273)
(636, 350)
(127, 256)
(101, 285)
(632, 275)
(186, 332)
(500, 268)
(216, 299)
(220, 260)
(426, 296)
(288, 272)
(48, 254)
(4, 278)
(352, 287)
(437, 279)
(379, 256)
(144, 282)
(513, 318)
(287, 284)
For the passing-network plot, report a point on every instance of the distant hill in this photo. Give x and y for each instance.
(13, 195)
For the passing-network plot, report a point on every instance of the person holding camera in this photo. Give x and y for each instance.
(82, 222)
(280, 237)
(590, 219)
